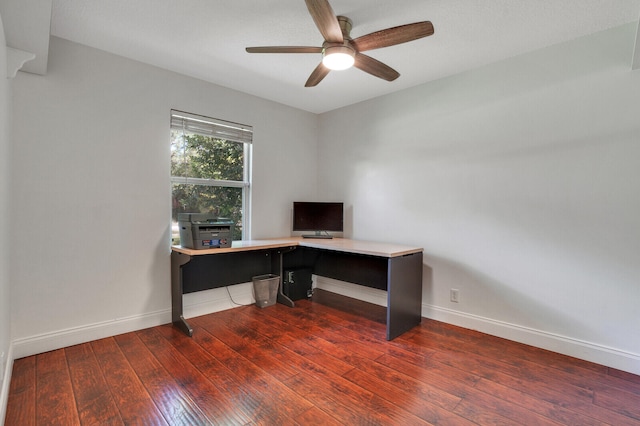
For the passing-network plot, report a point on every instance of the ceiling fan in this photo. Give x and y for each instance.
(340, 51)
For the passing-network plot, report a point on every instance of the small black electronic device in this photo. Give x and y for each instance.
(319, 217)
(297, 283)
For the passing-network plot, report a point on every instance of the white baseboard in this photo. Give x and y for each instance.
(217, 299)
(209, 301)
(587, 351)
(565, 345)
(44, 342)
(366, 294)
(194, 304)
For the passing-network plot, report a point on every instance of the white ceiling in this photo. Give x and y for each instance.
(206, 39)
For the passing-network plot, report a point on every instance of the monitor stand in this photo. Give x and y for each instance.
(318, 234)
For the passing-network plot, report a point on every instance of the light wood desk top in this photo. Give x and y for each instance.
(338, 244)
(236, 246)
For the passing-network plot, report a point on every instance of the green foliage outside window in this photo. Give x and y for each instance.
(212, 160)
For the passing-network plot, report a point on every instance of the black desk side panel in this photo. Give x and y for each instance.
(220, 270)
(365, 270)
(404, 298)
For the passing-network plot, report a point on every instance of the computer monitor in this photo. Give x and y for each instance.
(319, 217)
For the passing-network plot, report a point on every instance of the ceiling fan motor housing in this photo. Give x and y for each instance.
(340, 56)
(345, 26)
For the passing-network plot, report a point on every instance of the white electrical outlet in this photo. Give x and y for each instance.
(454, 294)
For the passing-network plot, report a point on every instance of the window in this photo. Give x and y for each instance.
(210, 170)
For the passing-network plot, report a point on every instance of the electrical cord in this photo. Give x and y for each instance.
(233, 301)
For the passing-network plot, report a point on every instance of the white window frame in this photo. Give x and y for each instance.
(239, 133)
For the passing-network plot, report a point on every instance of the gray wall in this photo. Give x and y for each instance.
(5, 185)
(521, 181)
(91, 194)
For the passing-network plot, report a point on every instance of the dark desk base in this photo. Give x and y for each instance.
(404, 294)
(196, 273)
(400, 276)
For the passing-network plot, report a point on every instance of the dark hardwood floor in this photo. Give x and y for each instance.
(324, 362)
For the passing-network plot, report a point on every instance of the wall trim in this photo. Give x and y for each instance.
(194, 304)
(366, 294)
(44, 342)
(218, 300)
(565, 345)
(6, 381)
(588, 351)
(16, 58)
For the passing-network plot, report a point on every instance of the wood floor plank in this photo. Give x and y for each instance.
(385, 380)
(135, 404)
(349, 352)
(420, 399)
(295, 340)
(487, 402)
(325, 361)
(537, 362)
(348, 402)
(478, 414)
(94, 401)
(332, 332)
(451, 380)
(268, 357)
(241, 332)
(555, 412)
(55, 401)
(21, 406)
(620, 401)
(509, 350)
(537, 381)
(316, 417)
(627, 377)
(195, 390)
(175, 403)
(273, 402)
(567, 396)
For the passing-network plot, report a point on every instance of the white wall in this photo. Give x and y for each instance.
(90, 196)
(5, 184)
(521, 181)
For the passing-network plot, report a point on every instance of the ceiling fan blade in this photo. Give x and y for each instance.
(393, 36)
(375, 67)
(317, 75)
(325, 20)
(284, 49)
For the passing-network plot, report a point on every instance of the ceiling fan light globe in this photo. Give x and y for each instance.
(338, 57)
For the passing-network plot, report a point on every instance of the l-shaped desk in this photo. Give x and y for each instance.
(397, 269)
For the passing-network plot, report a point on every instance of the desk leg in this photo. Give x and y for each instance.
(282, 298)
(177, 317)
(404, 294)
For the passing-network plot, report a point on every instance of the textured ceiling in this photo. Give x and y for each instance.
(206, 39)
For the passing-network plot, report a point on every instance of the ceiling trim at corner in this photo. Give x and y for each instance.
(16, 58)
(27, 25)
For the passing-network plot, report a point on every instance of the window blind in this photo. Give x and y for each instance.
(212, 127)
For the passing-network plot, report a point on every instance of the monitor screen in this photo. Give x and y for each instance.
(317, 216)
